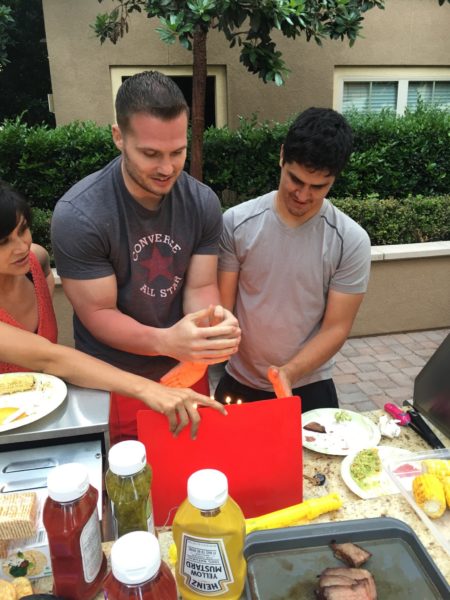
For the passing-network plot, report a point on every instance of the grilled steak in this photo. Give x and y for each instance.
(314, 426)
(362, 584)
(352, 554)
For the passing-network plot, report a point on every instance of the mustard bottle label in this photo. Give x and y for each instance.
(204, 565)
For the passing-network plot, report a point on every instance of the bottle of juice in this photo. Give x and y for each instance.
(71, 520)
(209, 533)
(137, 570)
(128, 483)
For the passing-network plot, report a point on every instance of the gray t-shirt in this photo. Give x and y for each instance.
(98, 229)
(284, 277)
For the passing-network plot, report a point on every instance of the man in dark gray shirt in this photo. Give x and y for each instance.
(136, 247)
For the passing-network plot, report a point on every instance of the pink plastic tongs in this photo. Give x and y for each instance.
(402, 418)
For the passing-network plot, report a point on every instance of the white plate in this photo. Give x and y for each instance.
(381, 484)
(340, 438)
(46, 395)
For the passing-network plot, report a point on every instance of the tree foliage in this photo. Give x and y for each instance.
(248, 24)
(24, 69)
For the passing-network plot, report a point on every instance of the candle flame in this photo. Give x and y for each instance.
(228, 400)
(238, 401)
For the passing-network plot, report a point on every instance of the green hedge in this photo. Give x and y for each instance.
(391, 221)
(396, 184)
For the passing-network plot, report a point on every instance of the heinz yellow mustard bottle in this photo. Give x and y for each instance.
(209, 533)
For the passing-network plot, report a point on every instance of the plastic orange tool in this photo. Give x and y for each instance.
(257, 445)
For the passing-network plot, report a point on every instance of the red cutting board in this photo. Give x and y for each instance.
(257, 445)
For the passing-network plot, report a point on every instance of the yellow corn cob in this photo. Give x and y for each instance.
(446, 484)
(435, 466)
(429, 494)
(15, 382)
(296, 514)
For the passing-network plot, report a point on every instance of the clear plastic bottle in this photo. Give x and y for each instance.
(209, 533)
(128, 483)
(73, 529)
(137, 570)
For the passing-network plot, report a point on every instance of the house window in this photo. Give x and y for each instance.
(216, 98)
(430, 92)
(374, 89)
(370, 96)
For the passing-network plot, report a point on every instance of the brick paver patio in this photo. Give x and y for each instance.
(371, 371)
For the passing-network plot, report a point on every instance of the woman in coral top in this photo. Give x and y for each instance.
(26, 280)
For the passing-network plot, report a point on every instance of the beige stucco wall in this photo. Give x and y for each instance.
(405, 295)
(406, 33)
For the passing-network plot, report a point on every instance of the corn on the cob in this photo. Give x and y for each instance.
(429, 494)
(15, 382)
(436, 466)
(295, 515)
(446, 484)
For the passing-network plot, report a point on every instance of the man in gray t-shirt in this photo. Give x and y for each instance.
(295, 269)
(136, 247)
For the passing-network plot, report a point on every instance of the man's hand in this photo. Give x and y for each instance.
(281, 384)
(179, 405)
(190, 341)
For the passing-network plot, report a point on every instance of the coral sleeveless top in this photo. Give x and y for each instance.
(47, 326)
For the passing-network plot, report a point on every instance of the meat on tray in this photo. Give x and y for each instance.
(346, 583)
(314, 426)
(352, 554)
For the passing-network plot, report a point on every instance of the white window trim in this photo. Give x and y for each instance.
(219, 72)
(402, 75)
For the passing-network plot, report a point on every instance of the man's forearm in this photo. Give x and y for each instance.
(118, 330)
(197, 298)
(315, 353)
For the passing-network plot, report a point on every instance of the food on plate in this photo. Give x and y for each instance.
(314, 426)
(25, 563)
(341, 416)
(16, 382)
(428, 492)
(22, 587)
(18, 515)
(7, 591)
(7, 411)
(366, 467)
(346, 583)
(350, 553)
(435, 466)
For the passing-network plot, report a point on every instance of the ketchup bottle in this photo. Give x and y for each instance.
(73, 529)
(137, 570)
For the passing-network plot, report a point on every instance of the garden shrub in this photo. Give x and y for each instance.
(396, 184)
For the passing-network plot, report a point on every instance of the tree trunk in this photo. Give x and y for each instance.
(198, 103)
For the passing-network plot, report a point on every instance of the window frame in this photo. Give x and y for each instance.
(401, 75)
(216, 71)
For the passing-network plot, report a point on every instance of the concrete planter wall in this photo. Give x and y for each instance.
(409, 290)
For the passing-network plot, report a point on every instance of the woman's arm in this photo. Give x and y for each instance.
(36, 353)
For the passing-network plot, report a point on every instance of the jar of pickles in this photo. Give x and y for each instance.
(128, 484)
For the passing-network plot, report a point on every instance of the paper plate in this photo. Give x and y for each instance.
(380, 484)
(46, 395)
(342, 437)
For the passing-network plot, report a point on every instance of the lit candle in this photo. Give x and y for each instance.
(239, 401)
(228, 400)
